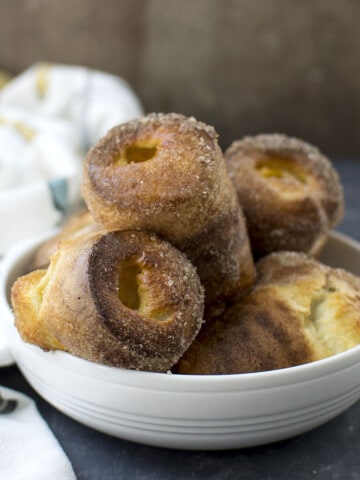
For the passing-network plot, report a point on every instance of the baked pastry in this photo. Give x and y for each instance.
(78, 224)
(166, 173)
(126, 299)
(290, 193)
(299, 311)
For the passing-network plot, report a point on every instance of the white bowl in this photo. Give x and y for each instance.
(189, 412)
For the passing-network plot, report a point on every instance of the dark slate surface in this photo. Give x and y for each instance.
(330, 452)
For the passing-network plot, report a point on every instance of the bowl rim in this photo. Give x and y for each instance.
(265, 379)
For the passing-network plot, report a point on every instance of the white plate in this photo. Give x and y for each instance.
(190, 412)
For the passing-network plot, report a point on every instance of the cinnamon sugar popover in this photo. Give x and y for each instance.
(126, 299)
(290, 193)
(166, 173)
(299, 311)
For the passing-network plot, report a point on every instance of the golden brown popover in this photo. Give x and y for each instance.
(299, 311)
(126, 299)
(166, 173)
(290, 193)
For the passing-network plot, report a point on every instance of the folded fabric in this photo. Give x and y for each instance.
(34, 148)
(28, 448)
(34, 209)
(91, 100)
(39, 174)
(50, 115)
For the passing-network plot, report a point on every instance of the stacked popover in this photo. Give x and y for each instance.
(166, 174)
(299, 311)
(290, 193)
(158, 273)
(123, 298)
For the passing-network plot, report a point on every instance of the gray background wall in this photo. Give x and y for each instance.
(245, 66)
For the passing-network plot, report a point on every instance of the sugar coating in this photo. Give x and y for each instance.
(300, 311)
(285, 212)
(79, 309)
(182, 193)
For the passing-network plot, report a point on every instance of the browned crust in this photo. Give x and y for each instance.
(183, 194)
(222, 255)
(260, 333)
(78, 309)
(282, 222)
(299, 311)
(170, 189)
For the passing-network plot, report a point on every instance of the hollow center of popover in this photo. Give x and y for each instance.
(282, 169)
(137, 293)
(136, 153)
(129, 285)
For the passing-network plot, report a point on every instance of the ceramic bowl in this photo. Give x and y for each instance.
(189, 412)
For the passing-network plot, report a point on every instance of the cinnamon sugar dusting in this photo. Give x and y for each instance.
(159, 272)
(290, 193)
(182, 192)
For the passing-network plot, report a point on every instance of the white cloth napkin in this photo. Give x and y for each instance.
(93, 101)
(28, 448)
(35, 148)
(40, 161)
(50, 115)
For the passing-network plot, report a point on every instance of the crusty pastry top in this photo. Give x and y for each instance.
(158, 170)
(299, 311)
(290, 193)
(327, 299)
(122, 298)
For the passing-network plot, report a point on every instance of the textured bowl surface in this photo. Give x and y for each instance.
(189, 412)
